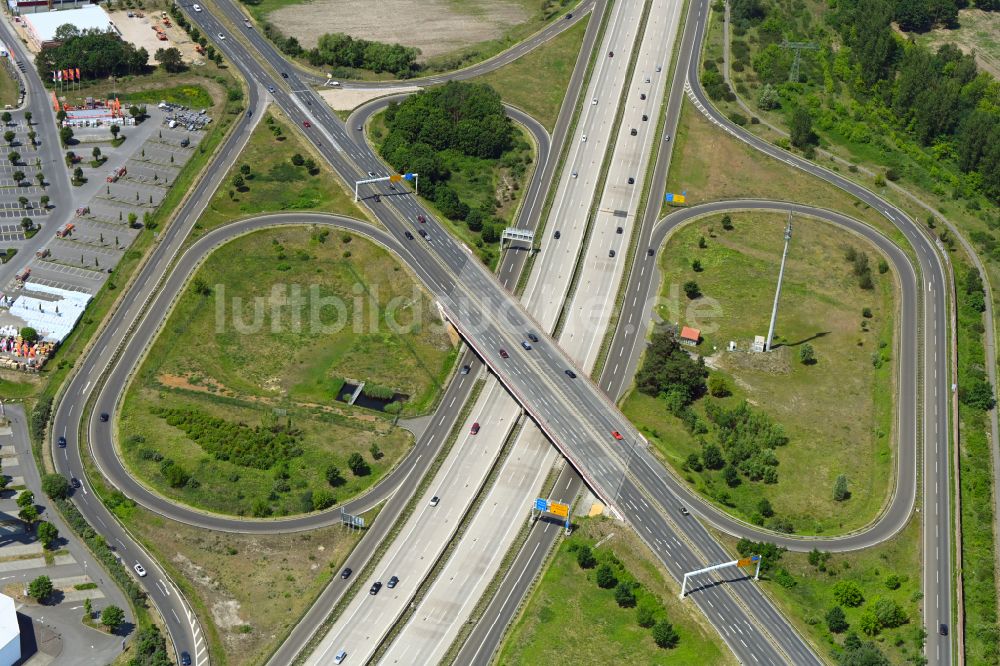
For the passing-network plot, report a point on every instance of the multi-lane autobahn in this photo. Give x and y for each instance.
(463, 286)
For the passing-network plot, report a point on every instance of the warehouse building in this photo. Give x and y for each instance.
(10, 632)
(41, 27)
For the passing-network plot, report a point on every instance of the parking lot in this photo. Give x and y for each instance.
(133, 180)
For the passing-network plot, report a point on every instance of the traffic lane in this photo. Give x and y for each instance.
(95, 513)
(428, 531)
(715, 601)
(482, 642)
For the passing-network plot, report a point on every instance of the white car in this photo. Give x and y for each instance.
(139, 569)
(593, 101)
(197, 8)
(584, 139)
(339, 658)
(221, 36)
(435, 500)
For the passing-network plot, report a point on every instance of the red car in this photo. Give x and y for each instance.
(421, 219)
(504, 354)
(616, 434)
(475, 429)
(306, 123)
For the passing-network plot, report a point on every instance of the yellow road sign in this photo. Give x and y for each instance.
(745, 562)
(558, 509)
(395, 178)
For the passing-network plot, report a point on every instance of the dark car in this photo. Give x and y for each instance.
(466, 369)
(618, 230)
(611, 253)
(62, 442)
(375, 588)
(685, 511)
(642, 96)
(408, 235)
(504, 354)
(421, 219)
(532, 337)
(392, 582)
(526, 345)
(611, 54)
(557, 235)
(249, 112)
(631, 180)
(634, 131)
(75, 482)
(570, 15)
(346, 573)
(570, 374)
(306, 123)
(378, 199)
(284, 75)
(645, 117)
(943, 629)
(185, 659)
(104, 417)
(474, 431)
(423, 233)
(649, 252)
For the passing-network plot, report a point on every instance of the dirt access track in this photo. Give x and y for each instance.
(433, 26)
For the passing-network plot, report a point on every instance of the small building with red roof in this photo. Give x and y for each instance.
(690, 336)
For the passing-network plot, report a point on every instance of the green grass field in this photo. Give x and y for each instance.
(809, 598)
(275, 184)
(8, 89)
(211, 356)
(536, 82)
(821, 305)
(568, 619)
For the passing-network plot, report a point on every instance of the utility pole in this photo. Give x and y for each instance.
(777, 292)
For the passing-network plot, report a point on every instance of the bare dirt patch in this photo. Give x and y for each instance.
(347, 99)
(433, 26)
(139, 31)
(979, 34)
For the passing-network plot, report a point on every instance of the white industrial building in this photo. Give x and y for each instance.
(41, 26)
(10, 633)
(51, 311)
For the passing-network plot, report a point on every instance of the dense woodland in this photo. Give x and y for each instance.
(937, 98)
(465, 118)
(97, 54)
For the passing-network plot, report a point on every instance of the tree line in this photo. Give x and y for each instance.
(340, 50)
(97, 54)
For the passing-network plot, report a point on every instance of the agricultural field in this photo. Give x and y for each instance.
(849, 331)
(235, 408)
(448, 33)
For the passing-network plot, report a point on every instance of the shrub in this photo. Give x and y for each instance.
(624, 595)
(847, 593)
(665, 635)
(836, 621)
(606, 577)
(585, 557)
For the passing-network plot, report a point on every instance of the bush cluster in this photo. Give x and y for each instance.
(257, 447)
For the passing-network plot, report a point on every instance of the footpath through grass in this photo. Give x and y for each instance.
(279, 320)
(536, 82)
(850, 330)
(569, 619)
(274, 182)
